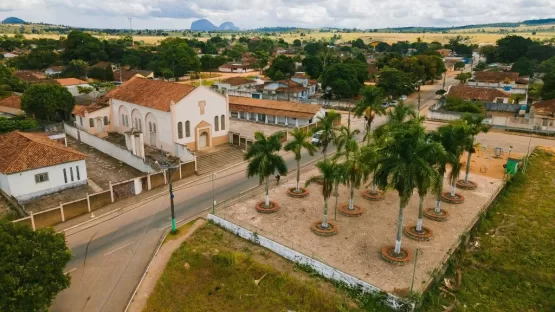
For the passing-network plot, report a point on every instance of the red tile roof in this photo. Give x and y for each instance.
(490, 76)
(156, 94)
(21, 151)
(545, 107)
(472, 93)
(29, 76)
(70, 81)
(271, 107)
(238, 81)
(80, 110)
(12, 101)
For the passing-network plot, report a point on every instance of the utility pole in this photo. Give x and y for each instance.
(213, 195)
(418, 113)
(171, 201)
(414, 270)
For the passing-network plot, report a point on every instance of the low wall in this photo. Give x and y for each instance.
(108, 148)
(297, 257)
(501, 107)
(100, 200)
(187, 169)
(157, 180)
(75, 209)
(443, 115)
(47, 218)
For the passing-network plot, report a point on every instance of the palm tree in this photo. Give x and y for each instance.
(369, 107)
(347, 145)
(402, 157)
(299, 143)
(328, 170)
(264, 159)
(475, 127)
(326, 127)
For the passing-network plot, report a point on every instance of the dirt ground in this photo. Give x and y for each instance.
(356, 249)
(248, 128)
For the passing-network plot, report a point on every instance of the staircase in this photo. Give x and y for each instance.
(218, 158)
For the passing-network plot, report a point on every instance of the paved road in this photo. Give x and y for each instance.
(110, 257)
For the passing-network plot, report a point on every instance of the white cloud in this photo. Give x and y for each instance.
(259, 13)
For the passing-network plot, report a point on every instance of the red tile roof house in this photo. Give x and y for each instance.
(71, 84)
(11, 105)
(237, 84)
(32, 165)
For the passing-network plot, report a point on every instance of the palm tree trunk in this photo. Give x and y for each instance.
(453, 186)
(438, 201)
(399, 230)
(336, 194)
(267, 187)
(467, 167)
(325, 218)
(352, 197)
(374, 188)
(420, 214)
(368, 131)
(298, 173)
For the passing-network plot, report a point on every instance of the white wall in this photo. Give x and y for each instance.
(73, 89)
(97, 116)
(297, 257)
(23, 186)
(110, 149)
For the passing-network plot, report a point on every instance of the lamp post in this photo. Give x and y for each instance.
(169, 167)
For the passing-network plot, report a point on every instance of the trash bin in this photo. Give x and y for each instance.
(512, 166)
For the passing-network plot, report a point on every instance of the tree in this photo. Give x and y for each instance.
(83, 46)
(262, 59)
(348, 149)
(328, 173)
(394, 82)
(489, 52)
(32, 267)
(401, 159)
(369, 107)
(326, 128)
(283, 64)
(523, 66)
(299, 143)
(463, 77)
(75, 69)
(460, 66)
(297, 43)
(176, 57)
(45, 101)
(511, 48)
(382, 47)
(9, 82)
(264, 160)
(342, 79)
(474, 122)
(313, 66)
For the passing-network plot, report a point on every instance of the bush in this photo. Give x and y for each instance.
(9, 125)
(458, 105)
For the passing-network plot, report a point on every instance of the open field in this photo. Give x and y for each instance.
(217, 271)
(508, 265)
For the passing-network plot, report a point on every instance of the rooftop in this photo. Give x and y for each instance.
(29, 76)
(21, 151)
(13, 101)
(472, 93)
(491, 76)
(545, 107)
(130, 73)
(80, 110)
(271, 107)
(70, 81)
(238, 81)
(156, 94)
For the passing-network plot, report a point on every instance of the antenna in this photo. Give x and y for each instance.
(130, 26)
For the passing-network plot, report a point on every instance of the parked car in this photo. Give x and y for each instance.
(403, 98)
(385, 105)
(316, 138)
(393, 103)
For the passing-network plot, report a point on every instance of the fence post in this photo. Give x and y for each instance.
(88, 203)
(148, 184)
(165, 177)
(62, 212)
(33, 221)
(111, 191)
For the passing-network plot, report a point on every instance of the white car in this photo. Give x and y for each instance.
(403, 98)
(393, 103)
(316, 138)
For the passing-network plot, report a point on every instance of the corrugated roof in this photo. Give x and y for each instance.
(472, 93)
(12, 101)
(21, 151)
(271, 107)
(150, 93)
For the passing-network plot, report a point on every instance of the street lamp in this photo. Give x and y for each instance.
(418, 83)
(168, 167)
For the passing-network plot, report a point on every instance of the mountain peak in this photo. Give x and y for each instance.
(13, 20)
(206, 25)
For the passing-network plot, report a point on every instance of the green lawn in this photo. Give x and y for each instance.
(513, 268)
(215, 270)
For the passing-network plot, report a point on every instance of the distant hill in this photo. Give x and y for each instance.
(13, 20)
(206, 25)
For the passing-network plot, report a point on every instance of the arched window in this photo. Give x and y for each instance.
(154, 127)
(150, 126)
(123, 120)
(105, 120)
(91, 122)
(127, 121)
(222, 123)
(180, 130)
(216, 123)
(140, 125)
(187, 129)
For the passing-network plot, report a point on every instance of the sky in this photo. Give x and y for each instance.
(249, 14)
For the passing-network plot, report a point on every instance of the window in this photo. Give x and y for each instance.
(123, 120)
(180, 130)
(127, 121)
(242, 115)
(105, 120)
(91, 122)
(222, 123)
(140, 125)
(65, 176)
(499, 100)
(71, 173)
(234, 114)
(150, 126)
(187, 129)
(81, 121)
(41, 177)
(216, 124)
(154, 128)
(77, 172)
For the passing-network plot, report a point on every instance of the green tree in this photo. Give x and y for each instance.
(31, 267)
(262, 58)
(394, 82)
(297, 43)
(300, 142)
(511, 48)
(342, 79)
(328, 173)
(76, 69)
(475, 124)
(313, 66)
(264, 159)
(489, 52)
(326, 129)
(176, 57)
(460, 66)
(83, 46)
(283, 64)
(523, 66)
(46, 101)
(9, 82)
(369, 107)
(463, 77)
(348, 149)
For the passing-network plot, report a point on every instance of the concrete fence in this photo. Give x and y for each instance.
(108, 148)
(116, 192)
(298, 257)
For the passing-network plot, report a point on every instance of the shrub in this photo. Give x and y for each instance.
(459, 105)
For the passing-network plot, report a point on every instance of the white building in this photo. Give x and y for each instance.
(32, 165)
(173, 117)
(71, 84)
(238, 84)
(54, 70)
(94, 118)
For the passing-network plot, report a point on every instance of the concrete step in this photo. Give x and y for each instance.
(219, 159)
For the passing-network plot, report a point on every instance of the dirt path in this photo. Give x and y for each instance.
(157, 266)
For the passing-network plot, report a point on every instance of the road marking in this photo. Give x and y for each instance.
(252, 188)
(111, 252)
(70, 271)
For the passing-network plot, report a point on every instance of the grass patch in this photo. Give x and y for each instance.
(512, 269)
(215, 270)
(180, 231)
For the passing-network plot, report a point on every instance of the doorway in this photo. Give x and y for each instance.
(202, 140)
